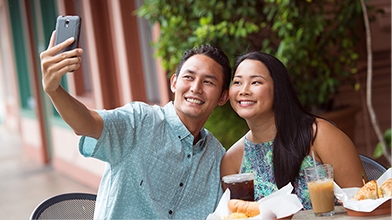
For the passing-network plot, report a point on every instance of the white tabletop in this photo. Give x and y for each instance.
(340, 213)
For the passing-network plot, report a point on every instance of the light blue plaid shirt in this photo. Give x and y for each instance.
(153, 170)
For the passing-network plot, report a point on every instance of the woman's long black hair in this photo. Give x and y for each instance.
(294, 134)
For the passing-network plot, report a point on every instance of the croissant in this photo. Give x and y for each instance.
(250, 209)
(370, 190)
(386, 188)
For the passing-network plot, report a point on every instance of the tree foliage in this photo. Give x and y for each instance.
(316, 40)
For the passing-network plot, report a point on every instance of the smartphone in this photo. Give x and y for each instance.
(66, 27)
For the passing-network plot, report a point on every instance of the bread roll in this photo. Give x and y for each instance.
(248, 208)
(386, 188)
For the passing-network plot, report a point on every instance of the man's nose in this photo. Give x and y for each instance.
(196, 86)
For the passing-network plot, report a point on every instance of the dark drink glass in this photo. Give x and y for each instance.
(241, 186)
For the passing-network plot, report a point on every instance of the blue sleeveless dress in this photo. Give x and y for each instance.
(258, 160)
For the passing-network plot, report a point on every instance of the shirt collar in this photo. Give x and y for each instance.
(175, 122)
(200, 145)
(181, 131)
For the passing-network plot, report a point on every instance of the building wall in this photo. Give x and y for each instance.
(112, 74)
(8, 80)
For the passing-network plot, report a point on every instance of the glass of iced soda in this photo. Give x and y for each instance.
(320, 184)
(241, 186)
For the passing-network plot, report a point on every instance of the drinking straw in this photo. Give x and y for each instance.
(363, 178)
(315, 166)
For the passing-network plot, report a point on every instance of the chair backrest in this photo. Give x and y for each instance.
(66, 206)
(372, 168)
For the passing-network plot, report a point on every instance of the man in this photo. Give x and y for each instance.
(160, 161)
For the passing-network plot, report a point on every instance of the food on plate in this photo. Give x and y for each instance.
(386, 188)
(250, 209)
(236, 215)
(371, 190)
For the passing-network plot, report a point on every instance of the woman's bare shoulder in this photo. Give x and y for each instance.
(326, 129)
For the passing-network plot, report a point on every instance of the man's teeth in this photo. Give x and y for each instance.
(196, 101)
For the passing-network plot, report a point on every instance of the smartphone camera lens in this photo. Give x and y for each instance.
(67, 23)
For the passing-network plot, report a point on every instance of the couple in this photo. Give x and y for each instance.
(160, 161)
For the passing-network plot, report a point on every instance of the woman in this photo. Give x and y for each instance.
(283, 135)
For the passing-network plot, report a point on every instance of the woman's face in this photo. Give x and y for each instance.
(252, 90)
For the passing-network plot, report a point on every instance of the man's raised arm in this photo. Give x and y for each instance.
(82, 120)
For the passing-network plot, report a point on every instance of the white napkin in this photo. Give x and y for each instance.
(277, 205)
(346, 195)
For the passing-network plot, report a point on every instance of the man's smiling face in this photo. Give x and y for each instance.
(198, 88)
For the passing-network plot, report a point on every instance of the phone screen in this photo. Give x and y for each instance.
(66, 27)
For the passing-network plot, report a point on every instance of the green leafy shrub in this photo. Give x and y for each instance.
(378, 150)
(316, 40)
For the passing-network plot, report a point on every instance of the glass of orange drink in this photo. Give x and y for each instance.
(320, 184)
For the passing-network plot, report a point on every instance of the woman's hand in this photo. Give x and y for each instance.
(54, 66)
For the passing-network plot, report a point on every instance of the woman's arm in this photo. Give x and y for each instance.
(231, 161)
(333, 146)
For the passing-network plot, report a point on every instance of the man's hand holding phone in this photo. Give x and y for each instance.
(55, 64)
(62, 55)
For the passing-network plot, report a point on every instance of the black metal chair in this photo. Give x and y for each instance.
(66, 206)
(372, 168)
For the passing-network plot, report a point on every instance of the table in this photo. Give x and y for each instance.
(340, 213)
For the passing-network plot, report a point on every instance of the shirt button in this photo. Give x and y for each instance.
(170, 212)
(189, 156)
(181, 184)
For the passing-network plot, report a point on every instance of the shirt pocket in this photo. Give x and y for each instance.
(162, 177)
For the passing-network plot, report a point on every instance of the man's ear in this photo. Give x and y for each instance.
(224, 97)
(173, 81)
